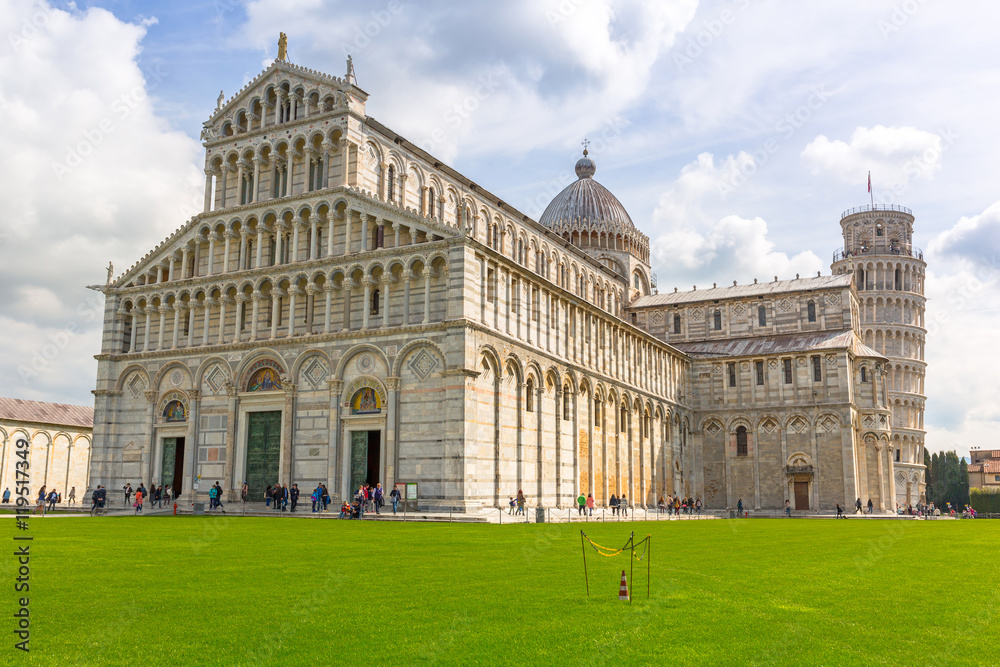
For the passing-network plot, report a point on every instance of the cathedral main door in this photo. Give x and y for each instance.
(171, 464)
(366, 450)
(263, 451)
(801, 495)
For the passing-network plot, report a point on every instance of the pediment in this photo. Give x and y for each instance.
(240, 112)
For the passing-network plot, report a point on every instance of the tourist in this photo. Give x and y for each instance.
(345, 510)
(677, 505)
(166, 495)
(53, 497)
(739, 508)
(317, 498)
(697, 505)
(623, 505)
(521, 502)
(211, 498)
(660, 505)
(857, 506)
(218, 497)
(684, 506)
(395, 495)
(613, 504)
(840, 511)
(788, 509)
(295, 496)
(379, 500)
(590, 504)
(128, 493)
(581, 503)
(40, 506)
(245, 492)
(871, 506)
(6, 495)
(71, 497)
(138, 500)
(268, 496)
(324, 496)
(510, 506)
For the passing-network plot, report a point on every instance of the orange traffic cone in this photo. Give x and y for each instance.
(623, 589)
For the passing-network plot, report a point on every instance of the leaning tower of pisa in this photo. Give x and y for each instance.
(889, 274)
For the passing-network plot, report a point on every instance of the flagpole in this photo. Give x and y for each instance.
(870, 193)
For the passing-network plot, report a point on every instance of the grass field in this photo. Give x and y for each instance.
(263, 591)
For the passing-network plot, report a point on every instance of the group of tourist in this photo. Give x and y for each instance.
(156, 496)
(676, 505)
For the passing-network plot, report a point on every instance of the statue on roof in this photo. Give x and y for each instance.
(111, 272)
(350, 76)
(283, 47)
(220, 100)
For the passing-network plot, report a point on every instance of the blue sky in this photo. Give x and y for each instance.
(735, 133)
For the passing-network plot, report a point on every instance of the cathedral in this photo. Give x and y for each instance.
(347, 309)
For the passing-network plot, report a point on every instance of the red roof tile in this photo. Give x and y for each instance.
(58, 414)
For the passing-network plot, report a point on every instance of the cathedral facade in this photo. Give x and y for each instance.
(347, 310)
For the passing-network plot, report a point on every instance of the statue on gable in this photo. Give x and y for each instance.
(282, 47)
(220, 100)
(111, 272)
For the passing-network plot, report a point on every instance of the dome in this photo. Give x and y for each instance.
(586, 203)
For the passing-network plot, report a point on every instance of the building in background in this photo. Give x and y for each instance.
(984, 469)
(59, 436)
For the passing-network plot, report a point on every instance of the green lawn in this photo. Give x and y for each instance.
(280, 591)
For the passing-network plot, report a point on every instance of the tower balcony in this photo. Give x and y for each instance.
(899, 249)
(877, 207)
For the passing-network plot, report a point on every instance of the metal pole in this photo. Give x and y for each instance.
(649, 554)
(631, 564)
(585, 578)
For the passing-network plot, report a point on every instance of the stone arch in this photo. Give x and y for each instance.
(356, 350)
(168, 368)
(412, 346)
(249, 365)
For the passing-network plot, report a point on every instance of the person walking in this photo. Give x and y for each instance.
(613, 504)
(245, 492)
(581, 504)
(40, 506)
(857, 506)
(128, 493)
(316, 497)
(394, 498)
(739, 508)
(218, 497)
(138, 500)
(268, 495)
(871, 506)
(623, 505)
(71, 497)
(6, 495)
(53, 497)
(840, 511)
(521, 501)
(590, 504)
(379, 500)
(324, 496)
(211, 497)
(788, 509)
(697, 505)
(295, 496)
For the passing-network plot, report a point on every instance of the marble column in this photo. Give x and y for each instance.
(232, 405)
(149, 449)
(333, 457)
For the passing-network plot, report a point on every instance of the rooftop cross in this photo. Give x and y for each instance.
(585, 143)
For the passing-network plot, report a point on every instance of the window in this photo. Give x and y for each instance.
(635, 281)
(520, 252)
(996, 478)
(529, 396)
(811, 308)
(391, 187)
(566, 414)
(375, 299)
(817, 369)
(741, 441)
(759, 369)
(496, 237)
(677, 324)
(597, 412)
(431, 204)
(762, 316)
(864, 374)
(788, 370)
(879, 231)
(624, 419)
(732, 373)
(718, 320)
(897, 456)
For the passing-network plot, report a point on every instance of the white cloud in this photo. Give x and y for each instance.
(90, 174)
(895, 156)
(700, 245)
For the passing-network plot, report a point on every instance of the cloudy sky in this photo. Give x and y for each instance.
(735, 133)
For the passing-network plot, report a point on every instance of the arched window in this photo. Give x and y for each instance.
(391, 188)
(741, 441)
(624, 419)
(566, 402)
(520, 252)
(597, 411)
(635, 281)
(879, 231)
(762, 316)
(375, 299)
(864, 374)
(717, 317)
(811, 308)
(645, 425)
(677, 324)
(529, 396)
(431, 203)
